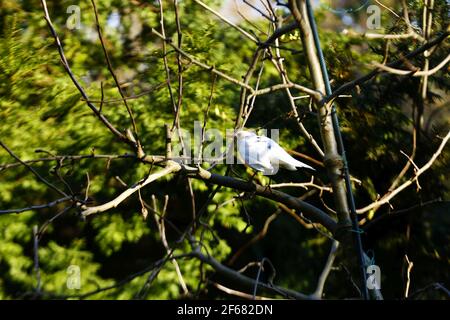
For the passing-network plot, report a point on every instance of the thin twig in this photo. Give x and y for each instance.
(68, 157)
(201, 64)
(259, 10)
(113, 74)
(246, 281)
(162, 232)
(409, 266)
(391, 194)
(352, 84)
(44, 227)
(434, 286)
(36, 258)
(37, 207)
(68, 70)
(229, 22)
(278, 63)
(261, 234)
(237, 293)
(49, 184)
(136, 96)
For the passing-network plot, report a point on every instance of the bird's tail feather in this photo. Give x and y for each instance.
(303, 165)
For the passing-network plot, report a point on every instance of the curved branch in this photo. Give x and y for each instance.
(232, 24)
(246, 281)
(171, 167)
(417, 73)
(352, 84)
(313, 93)
(310, 211)
(326, 270)
(388, 196)
(49, 184)
(37, 207)
(278, 33)
(83, 93)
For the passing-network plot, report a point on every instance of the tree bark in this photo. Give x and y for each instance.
(332, 160)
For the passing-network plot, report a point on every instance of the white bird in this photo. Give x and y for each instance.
(265, 155)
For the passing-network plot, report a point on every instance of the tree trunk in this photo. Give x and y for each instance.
(332, 160)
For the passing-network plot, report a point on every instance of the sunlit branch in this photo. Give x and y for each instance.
(390, 195)
(171, 167)
(417, 73)
(352, 84)
(237, 293)
(228, 21)
(369, 35)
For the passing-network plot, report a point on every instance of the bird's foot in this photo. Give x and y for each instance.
(268, 186)
(252, 177)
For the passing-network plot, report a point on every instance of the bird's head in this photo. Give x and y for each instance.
(241, 134)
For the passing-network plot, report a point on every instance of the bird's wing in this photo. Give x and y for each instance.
(254, 152)
(284, 159)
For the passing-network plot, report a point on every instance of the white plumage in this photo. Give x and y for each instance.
(265, 155)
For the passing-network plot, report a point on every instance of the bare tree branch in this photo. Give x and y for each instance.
(201, 64)
(220, 16)
(278, 62)
(326, 270)
(68, 70)
(308, 210)
(417, 73)
(391, 194)
(409, 266)
(246, 281)
(352, 84)
(37, 207)
(432, 286)
(369, 35)
(237, 293)
(113, 74)
(260, 235)
(49, 184)
(171, 167)
(304, 185)
(332, 159)
(289, 85)
(159, 219)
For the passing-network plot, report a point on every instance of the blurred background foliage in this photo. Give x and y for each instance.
(41, 114)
